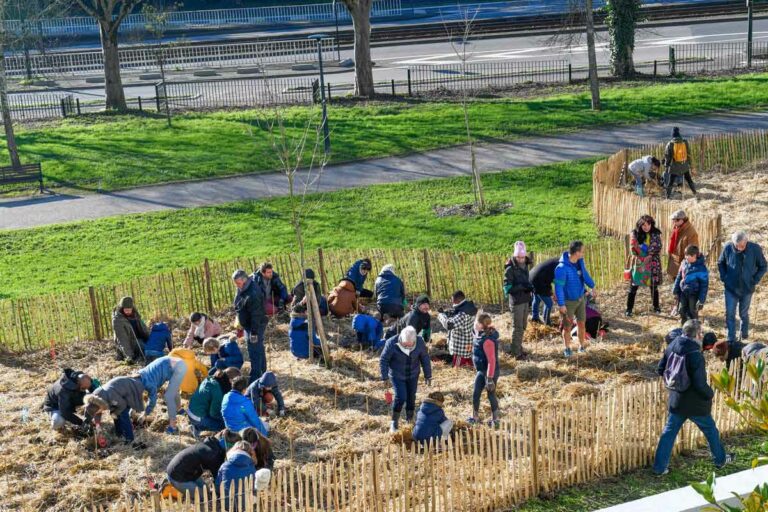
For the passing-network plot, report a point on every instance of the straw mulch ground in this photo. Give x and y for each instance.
(338, 411)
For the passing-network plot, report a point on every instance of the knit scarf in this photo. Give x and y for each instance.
(673, 241)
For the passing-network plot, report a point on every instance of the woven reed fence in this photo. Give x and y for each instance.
(533, 451)
(37, 322)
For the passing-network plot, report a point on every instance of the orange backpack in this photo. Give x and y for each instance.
(680, 152)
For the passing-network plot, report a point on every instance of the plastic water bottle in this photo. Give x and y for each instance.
(24, 415)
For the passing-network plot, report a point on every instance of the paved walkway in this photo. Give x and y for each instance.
(441, 163)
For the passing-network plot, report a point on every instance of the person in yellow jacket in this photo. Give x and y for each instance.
(196, 370)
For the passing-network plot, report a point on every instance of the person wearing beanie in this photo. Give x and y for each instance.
(683, 235)
(258, 392)
(519, 291)
(677, 162)
(131, 333)
(431, 422)
(201, 327)
(252, 316)
(66, 395)
(402, 359)
(357, 274)
(691, 284)
(299, 304)
(418, 318)
(390, 293)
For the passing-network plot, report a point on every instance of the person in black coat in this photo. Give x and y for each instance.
(542, 276)
(249, 306)
(185, 471)
(418, 318)
(66, 395)
(519, 290)
(693, 403)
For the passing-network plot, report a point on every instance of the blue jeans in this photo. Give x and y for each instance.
(207, 423)
(151, 355)
(733, 301)
(537, 301)
(257, 355)
(405, 394)
(123, 425)
(191, 486)
(667, 440)
(639, 189)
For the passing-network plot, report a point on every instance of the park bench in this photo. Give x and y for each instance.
(25, 173)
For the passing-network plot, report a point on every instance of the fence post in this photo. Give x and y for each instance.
(570, 73)
(77, 102)
(323, 283)
(427, 272)
(140, 109)
(655, 68)
(672, 61)
(63, 108)
(95, 313)
(534, 452)
(157, 96)
(154, 495)
(410, 92)
(329, 92)
(393, 87)
(208, 293)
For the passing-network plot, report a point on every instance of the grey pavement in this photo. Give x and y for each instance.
(441, 163)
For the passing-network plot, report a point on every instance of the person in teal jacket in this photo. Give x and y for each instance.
(571, 277)
(205, 404)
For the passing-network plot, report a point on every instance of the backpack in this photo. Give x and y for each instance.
(680, 152)
(676, 374)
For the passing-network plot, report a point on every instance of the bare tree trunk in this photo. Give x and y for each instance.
(594, 84)
(113, 83)
(361, 20)
(5, 108)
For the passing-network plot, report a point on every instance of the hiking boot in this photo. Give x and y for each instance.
(567, 352)
(494, 423)
(523, 356)
(729, 458)
(536, 321)
(657, 311)
(663, 473)
(472, 421)
(628, 314)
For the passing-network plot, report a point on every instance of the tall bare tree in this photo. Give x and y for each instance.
(109, 14)
(10, 136)
(460, 49)
(360, 11)
(594, 80)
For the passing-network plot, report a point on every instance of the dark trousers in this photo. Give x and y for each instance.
(257, 355)
(688, 307)
(391, 310)
(123, 425)
(670, 180)
(366, 294)
(405, 394)
(480, 382)
(633, 293)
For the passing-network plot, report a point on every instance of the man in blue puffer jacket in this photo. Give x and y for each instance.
(403, 357)
(570, 278)
(431, 421)
(691, 284)
(357, 274)
(390, 293)
(159, 339)
(238, 411)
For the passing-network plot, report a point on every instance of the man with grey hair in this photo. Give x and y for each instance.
(252, 316)
(742, 265)
(690, 397)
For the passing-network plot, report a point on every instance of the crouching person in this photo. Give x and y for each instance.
(65, 396)
(431, 422)
(266, 396)
(402, 359)
(186, 469)
(205, 404)
(130, 331)
(298, 333)
(224, 353)
(118, 397)
(236, 469)
(369, 330)
(238, 410)
(159, 339)
(690, 397)
(201, 327)
(172, 370)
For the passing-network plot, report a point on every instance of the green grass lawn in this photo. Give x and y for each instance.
(550, 205)
(641, 483)
(118, 151)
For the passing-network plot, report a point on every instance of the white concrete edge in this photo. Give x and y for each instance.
(687, 500)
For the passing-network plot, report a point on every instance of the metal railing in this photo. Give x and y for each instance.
(703, 58)
(236, 92)
(185, 20)
(146, 58)
(37, 106)
(487, 75)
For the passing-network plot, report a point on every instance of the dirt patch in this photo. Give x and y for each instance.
(469, 210)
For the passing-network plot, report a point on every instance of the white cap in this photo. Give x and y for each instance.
(261, 479)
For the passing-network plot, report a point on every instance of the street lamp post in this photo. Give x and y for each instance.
(749, 33)
(326, 131)
(336, 17)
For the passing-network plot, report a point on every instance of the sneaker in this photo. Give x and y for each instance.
(535, 321)
(195, 432)
(471, 420)
(523, 356)
(582, 350)
(657, 311)
(494, 423)
(172, 431)
(665, 472)
(567, 352)
(392, 427)
(729, 458)
(628, 314)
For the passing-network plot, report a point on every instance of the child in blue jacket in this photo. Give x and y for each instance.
(369, 330)
(238, 467)
(224, 353)
(691, 284)
(238, 410)
(159, 339)
(267, 383)
(431, 421)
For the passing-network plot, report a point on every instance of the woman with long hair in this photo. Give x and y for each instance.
(645, 245)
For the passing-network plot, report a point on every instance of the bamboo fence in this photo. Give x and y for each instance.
(42, 321)
(533, 451)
